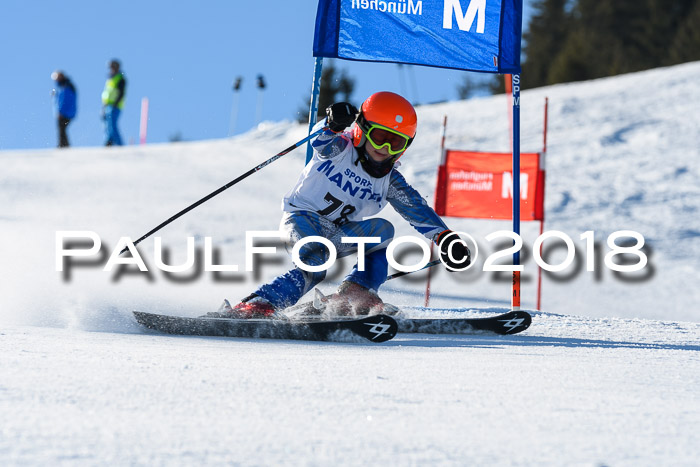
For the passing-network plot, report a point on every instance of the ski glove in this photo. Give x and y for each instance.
(340, 116)
(453, 251)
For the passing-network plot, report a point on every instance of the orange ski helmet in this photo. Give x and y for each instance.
(388, 110)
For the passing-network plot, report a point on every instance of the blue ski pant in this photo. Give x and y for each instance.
(286, 289)
(111, 117)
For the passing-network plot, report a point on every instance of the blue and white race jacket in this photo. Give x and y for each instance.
(335, 185)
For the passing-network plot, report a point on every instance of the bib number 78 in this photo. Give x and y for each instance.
(334, 205)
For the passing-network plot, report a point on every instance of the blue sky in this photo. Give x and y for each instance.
(184, 57)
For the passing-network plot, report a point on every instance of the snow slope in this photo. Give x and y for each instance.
(548, 397)
(607, 374)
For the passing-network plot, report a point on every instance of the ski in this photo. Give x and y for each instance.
(512, 322)
(376, 328)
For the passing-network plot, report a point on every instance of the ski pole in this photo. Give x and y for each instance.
(225, 187)
(399, 274)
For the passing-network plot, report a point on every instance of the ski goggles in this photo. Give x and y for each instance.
(380, 136)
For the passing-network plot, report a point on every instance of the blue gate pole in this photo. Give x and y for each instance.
(515, 302)
(313, 110)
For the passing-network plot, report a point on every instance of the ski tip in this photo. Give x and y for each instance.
(378, 328)
(514, 322)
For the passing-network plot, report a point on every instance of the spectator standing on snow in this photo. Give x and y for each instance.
(65, 105)
(113, 103)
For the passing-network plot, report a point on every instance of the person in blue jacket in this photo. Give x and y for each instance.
(65, 104)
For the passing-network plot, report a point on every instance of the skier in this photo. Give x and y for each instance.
(352, 176)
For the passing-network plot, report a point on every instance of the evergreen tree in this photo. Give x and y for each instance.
(497, 85)
(474, 84)
(544, 39)
(605, 39)
(336, 86)
(585, 39)
(685, 46)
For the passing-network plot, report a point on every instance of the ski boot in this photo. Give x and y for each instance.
(250, 307)
(354, 299)
(318, 308)
(340, 304)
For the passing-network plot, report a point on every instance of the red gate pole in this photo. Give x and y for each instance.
(438, 188)
(542, 169)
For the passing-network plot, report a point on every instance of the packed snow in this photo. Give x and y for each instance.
(606, 375)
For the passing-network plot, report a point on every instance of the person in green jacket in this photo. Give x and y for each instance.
(113, 103)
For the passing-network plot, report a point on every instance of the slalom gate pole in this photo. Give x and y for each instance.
(400, 274)
(225, 187)
(143, 126)
(426, 298)
(515, 302)
(313, 108)
(438, 198)
(543, 159)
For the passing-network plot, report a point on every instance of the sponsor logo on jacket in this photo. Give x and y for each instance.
(350, 182)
